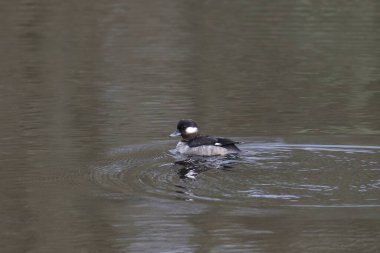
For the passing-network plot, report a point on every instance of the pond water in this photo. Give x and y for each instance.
(90, 92)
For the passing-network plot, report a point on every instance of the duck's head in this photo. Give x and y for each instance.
(187, 128)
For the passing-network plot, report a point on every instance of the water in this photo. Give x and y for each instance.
(89, 93)
(267, 173)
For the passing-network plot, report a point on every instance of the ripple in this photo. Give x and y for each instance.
(266, 174)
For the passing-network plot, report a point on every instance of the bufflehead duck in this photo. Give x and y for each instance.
(193, 143)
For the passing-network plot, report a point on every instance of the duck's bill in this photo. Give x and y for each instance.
(175, 133)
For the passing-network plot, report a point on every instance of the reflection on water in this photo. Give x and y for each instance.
(267, 173)
(89, 92)
(273, 187)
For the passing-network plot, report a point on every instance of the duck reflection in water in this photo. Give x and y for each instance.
(191, 167)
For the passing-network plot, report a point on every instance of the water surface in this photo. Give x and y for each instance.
(90, 91)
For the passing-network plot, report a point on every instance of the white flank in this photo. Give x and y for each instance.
(191, 130)
(218, 144)
(191, 174)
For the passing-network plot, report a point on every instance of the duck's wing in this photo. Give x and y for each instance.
(210, 140)
(225, 142)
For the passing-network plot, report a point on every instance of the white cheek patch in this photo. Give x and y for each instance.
(191, 130)
(218, 144)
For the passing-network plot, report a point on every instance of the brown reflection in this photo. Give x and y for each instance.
(50, 121)
(283, 230)
(277, 69)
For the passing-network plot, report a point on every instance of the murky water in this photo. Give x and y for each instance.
(90, 91)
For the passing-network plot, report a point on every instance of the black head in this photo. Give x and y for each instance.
(187, 128)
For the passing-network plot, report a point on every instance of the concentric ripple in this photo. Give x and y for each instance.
(266, 174)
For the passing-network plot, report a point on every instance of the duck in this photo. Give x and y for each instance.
(193, 143)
